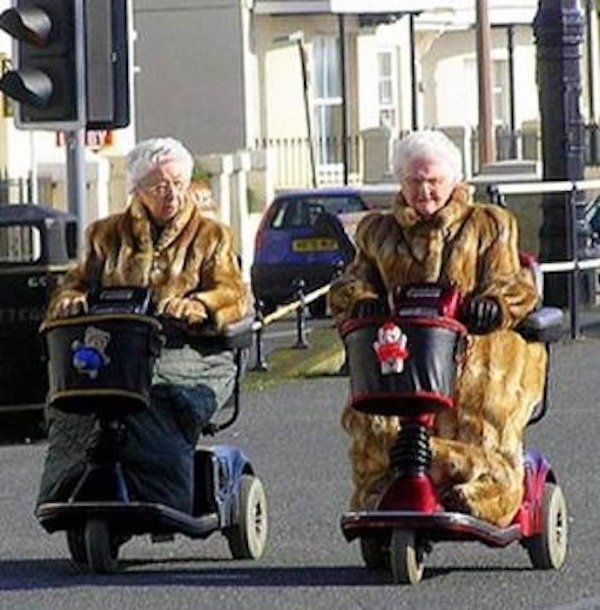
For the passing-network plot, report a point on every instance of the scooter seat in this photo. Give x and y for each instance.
(544, 325)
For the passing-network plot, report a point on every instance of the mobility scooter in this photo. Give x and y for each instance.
(420, 344)
(100, 364)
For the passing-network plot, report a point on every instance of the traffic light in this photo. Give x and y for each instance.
(47, 79)
(107, 63)
(70, 63)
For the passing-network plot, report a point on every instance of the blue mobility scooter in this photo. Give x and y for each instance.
(414, 380)
(100, 365)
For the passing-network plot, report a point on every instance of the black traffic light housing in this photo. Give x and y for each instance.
(70, 63)
(47, 79)
(107, 63)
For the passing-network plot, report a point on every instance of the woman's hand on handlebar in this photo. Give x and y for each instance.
(70, 306)
(482, 315)
(194, 312)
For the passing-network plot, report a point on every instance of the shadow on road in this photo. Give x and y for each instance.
(22, 428)
(57, 574)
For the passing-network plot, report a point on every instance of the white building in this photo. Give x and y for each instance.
(227, 75)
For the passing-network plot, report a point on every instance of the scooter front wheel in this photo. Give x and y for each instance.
(102, 552)
(406, 557)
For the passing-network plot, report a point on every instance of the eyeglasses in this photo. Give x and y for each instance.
(162, 189)
(416, 183)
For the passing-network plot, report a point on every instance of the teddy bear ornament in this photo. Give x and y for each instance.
(390, 348)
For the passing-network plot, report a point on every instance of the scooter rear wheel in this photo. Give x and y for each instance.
(406, 557)
(102, 552)
(375, 556)
(248, 537)
(76, 544)
(548, 550)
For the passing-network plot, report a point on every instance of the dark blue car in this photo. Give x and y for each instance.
(304, 234)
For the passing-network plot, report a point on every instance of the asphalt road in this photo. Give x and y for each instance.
(292, 434)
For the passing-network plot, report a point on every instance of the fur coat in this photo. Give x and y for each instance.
(193, 256)
(477, 447)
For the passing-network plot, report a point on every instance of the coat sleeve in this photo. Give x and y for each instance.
(81, 278)
(500, 275)
(222, 289)
(361, 279)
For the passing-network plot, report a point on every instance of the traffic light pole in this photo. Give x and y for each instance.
(76, 182)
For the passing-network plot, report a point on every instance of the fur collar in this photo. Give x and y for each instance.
(447, 220)
(141, 225)
(426, 238)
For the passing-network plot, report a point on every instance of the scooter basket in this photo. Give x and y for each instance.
(427, 378)
(101, 362)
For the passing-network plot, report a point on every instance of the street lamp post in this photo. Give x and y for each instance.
(558, 29)
(298, 39)
(484, 78)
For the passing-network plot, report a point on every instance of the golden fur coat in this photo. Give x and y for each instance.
(477, 448)
(192, 256)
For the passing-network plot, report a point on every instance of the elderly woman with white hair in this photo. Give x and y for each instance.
(436, 233)
(162, 241)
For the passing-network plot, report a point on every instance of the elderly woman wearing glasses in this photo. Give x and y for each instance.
(161, 241)
(436, 233)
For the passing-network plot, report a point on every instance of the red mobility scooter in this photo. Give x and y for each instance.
(427, 337)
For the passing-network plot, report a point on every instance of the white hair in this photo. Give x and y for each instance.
(428, 144)
(149, 154)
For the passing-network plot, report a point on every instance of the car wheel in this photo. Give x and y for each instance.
(268, 306)
(318, 308)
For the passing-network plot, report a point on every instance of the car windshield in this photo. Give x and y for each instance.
(593, 215)
(302, 212)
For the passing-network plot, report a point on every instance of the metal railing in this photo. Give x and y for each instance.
(574, 265)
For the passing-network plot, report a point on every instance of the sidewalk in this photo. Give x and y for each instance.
(324, 356)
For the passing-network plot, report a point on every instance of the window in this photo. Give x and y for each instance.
(500, 92)
(327, 110)
(387, 90)
(293, 213)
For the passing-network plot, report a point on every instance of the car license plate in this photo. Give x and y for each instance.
(314, 244)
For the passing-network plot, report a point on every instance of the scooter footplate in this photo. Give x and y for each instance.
(435, 526)
(130, 517)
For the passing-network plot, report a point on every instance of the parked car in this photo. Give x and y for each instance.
(304, 234)
(592, 218)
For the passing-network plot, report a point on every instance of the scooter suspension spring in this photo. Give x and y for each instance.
(410, 453)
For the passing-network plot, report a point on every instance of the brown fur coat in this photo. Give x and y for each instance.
(193, 256)
(477, 448)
